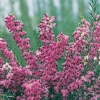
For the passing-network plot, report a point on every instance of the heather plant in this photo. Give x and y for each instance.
(78, 76)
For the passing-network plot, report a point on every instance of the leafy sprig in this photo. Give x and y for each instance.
(93, 10)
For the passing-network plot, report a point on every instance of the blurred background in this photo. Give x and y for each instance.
(30, 12)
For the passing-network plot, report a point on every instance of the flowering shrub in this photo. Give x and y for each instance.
(41, 79)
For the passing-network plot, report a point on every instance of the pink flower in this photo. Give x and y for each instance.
(64, 92)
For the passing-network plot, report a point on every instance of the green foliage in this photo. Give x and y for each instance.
(36, 36)
(7, 96)
(93, 11)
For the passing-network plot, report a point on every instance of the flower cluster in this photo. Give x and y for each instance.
(7, 54)
(41, 79)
